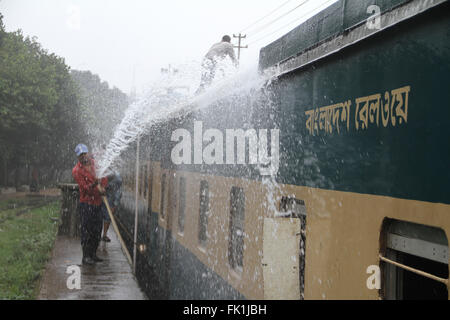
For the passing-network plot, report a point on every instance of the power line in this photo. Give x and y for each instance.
(296, 20)
(251, 25)
(276, 19)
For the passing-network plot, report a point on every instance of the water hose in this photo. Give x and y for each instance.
(108, 208)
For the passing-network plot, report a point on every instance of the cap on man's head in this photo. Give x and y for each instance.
(226, 38)
(81, 148)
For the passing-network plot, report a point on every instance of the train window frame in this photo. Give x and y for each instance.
(413, 256)
(139, 182)
(145, 182)
(181, 205)
(129, 176)
(162, 196)
(291, 207)
(133, 178)
(203, 213)
(150, 187)
(236, 246)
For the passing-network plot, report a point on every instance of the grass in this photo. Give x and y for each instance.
(26, 240)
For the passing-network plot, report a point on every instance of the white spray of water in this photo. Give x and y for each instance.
(157, 105)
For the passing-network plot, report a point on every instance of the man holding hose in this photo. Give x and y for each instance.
(91, 191)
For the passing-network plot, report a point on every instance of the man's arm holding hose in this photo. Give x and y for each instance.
(101, 185)
(84, 182)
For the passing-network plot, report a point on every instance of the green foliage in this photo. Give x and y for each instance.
(27, 86)
(25, 245)
(102, 108)
(38, 102)
(46, 109)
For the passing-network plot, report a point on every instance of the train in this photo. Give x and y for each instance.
(343, 189)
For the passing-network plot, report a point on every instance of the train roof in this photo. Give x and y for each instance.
(334, 25)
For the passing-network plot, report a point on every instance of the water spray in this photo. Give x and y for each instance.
(156, 106)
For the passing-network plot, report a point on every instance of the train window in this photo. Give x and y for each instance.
(128, 177)
(141, 180)
(145, 181)
(204, 209)
(295, 208)
(163, 191)
(182, 204)
(236, 240)
(150, 189)
(133, 178)
(414, 261)
(143, 175)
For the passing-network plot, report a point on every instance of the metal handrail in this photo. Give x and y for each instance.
(420, 272)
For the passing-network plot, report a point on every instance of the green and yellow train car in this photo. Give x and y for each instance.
(359, 204)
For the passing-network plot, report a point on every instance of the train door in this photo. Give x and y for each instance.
(284, 252)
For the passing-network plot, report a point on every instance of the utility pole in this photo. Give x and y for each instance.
(240, 36)
(170, 71)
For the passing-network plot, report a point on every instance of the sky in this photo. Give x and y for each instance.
(127, 42)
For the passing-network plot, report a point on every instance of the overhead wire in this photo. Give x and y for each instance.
(291, 22)
(252, 24)
(258, 30)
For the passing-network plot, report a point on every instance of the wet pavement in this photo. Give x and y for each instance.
(111, 279)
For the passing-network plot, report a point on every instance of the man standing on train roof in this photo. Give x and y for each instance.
(217, 52)
(91, 191)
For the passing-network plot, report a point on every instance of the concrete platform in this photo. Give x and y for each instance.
(111, 279)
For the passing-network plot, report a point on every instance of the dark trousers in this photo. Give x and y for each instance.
(91, 228)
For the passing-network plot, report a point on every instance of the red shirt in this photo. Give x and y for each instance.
(85, 177)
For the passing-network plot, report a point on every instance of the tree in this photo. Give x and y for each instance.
(102, 108)
(46, 109)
